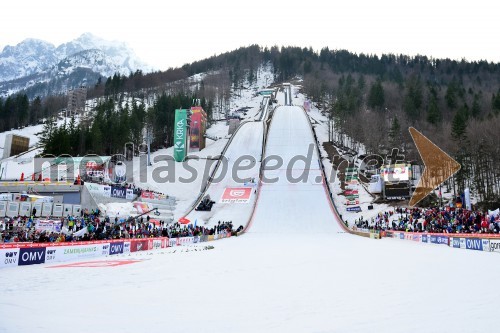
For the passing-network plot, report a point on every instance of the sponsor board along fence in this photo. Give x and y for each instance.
(476, 242)
(22, 254)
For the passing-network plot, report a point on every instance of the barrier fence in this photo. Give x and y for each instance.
(476, 242)
(22, 254)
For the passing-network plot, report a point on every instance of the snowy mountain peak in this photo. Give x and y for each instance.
(33, 57)
(26, 58)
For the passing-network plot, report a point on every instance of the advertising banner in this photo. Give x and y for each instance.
(352, 202)
(139, 245)
(356, 209)
(48, 225)
(126, 247)
(473, 244)
(157, 244)
(196, 131)
(485, 244)
(236, 195)
(31, 256)
(425, 238)
(351, 192)
(106, 191)
(141, 207)
(67, 253)
(9, 257)
(435, 239)
(115, 248)
(152, 195)
(129, 194)
(455, 242)
(180, 134)
(495, 245)
(118, 192)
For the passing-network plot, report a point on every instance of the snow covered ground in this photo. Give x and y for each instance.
(278, 282)
(247, 142)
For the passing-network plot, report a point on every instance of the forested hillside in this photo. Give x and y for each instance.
(370, 99)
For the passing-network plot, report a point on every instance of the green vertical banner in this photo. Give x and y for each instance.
(180, 135)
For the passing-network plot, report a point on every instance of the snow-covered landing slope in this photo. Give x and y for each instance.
(285, 205)
(247, 141)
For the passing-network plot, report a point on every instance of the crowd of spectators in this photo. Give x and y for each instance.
(90, 226)
(436, 220)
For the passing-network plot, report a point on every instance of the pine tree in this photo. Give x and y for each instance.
(376, 98)
(434, 115)
(413, 98)
(459, 126)
(451, 95)
(394, 132)
(495, 102)
(476, 107)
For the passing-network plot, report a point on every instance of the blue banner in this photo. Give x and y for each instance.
(31, 256)
(456, 243)
(439, 239)
(354, 209)
(473, 244)
(424, 238)
(116, 248)
(118, 192)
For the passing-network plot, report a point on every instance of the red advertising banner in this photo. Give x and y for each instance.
(139, 245)
(351, 192)
(236, 195)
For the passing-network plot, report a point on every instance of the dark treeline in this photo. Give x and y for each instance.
(16, 111)
(111, 127)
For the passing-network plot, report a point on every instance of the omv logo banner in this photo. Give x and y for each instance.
(456, 243)
(116, 248)
(424, 238)
(31, 256)
(474, 244)
(9, 257)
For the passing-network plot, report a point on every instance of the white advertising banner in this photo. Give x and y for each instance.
(130, 194)
(66, 253)
(48, 225)
(9, 257)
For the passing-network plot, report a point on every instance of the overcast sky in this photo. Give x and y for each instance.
(170, 33)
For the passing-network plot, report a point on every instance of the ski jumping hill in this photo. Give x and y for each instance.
(286, 205)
